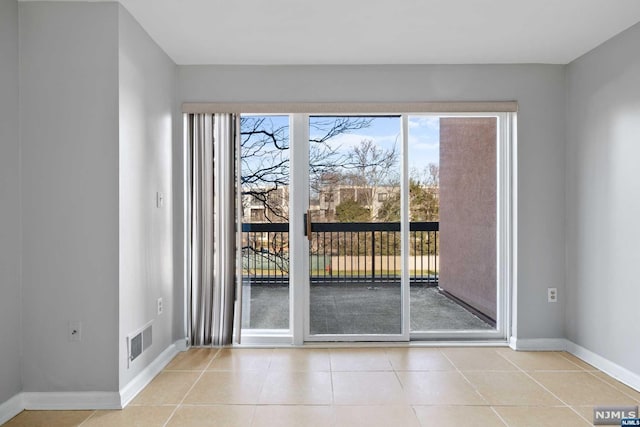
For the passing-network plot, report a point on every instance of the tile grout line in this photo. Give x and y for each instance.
(560, 353)
(593, 373)
(459, 371)
(408, 403)
(191, 388)
(267, 372)
(475, 388)
(334, 413)
(493, 409)
(415, 414)
(544, 387)
(611, 385)
(333, 394)
(404, 392)
(95, 411)
(521, 370)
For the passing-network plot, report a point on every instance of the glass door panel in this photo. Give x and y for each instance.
(264, 179)
(353, 226)
(452, 209)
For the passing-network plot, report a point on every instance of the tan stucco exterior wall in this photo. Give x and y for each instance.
(468, 211)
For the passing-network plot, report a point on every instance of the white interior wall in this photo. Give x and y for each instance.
(10, 325)
(69, 142)
(603, 148)
(147, 101)
(539, 90)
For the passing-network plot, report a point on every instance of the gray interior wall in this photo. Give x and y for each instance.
(69, 142)
(147, 100)
(178, 204)
(540, 92)
(603, 148)
(10, 325)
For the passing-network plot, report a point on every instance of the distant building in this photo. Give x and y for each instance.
(272, 204)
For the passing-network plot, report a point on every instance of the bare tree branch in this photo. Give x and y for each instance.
(264, 152)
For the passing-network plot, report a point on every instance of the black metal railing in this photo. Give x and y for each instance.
(265, 253)
(356, 252)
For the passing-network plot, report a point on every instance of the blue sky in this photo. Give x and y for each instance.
(424, 137)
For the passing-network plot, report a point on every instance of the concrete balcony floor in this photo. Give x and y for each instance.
(358, 309)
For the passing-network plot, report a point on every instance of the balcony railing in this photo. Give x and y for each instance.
(356, 252)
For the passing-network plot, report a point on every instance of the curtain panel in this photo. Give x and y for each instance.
(211, 141)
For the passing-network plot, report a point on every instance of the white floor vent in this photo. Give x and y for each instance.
(138, 342)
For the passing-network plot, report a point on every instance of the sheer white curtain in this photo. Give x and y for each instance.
(210, 140)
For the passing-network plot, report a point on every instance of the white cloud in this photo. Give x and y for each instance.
(346, 141)
(423, 143)
(429, 122)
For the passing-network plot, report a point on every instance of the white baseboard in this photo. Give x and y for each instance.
(137, 384)
(610, 368)
(84, 400)
(538, 344)
(605, 365)
(11, 408)
(81, 400)
(182, 345)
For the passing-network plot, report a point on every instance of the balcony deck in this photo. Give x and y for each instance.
(358, 309)
(355, 279)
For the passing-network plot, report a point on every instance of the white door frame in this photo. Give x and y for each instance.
(300, 142)
(506, 161)
(299, 332)
(298, 243)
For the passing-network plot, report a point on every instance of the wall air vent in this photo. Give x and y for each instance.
(135, 347)
(138, 342)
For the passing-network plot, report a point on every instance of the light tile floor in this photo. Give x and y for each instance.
(361, 387)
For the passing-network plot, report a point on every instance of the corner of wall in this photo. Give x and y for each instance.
(10, 210)
(602, 101)
(144, 377)
(11, 408)
(146, 88)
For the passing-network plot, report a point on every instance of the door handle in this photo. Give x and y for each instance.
(307, 218)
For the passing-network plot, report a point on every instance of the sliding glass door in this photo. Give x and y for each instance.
(375, 227)
(453, 208)
(353, 228)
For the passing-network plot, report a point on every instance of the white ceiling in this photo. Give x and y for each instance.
(381, 31)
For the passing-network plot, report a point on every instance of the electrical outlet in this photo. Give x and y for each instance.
(75, 330)
(552, 294)
(160, 306)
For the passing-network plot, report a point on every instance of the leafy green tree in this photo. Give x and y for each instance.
(423, 198)
(390, 209)
(351, 211)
